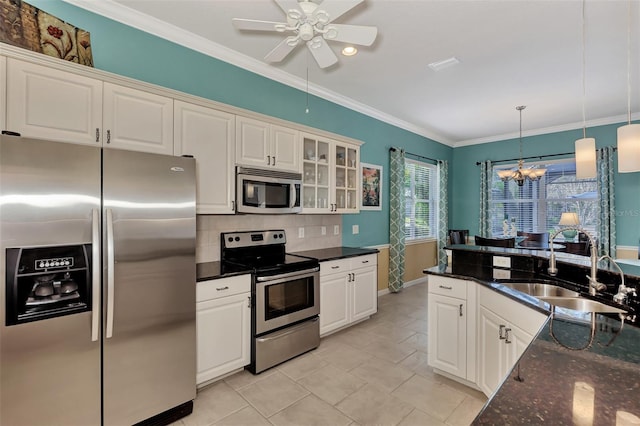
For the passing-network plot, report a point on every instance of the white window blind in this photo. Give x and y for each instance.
(420, 206)
(537, 206)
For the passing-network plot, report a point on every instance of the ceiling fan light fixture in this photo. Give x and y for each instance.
(349, 51)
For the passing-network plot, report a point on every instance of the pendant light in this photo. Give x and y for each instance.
(585, 147)
(629, 135)
(520, 175)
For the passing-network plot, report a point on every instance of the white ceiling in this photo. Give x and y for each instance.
(511, 53)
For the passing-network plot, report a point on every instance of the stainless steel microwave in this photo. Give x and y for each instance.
(267, 191)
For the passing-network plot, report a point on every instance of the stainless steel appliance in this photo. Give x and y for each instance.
(267, 191)
(285, 294)
(98, 285)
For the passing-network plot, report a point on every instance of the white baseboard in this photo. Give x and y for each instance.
(407, 284)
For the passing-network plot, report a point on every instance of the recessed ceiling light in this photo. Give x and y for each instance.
(440, 65)
(349, 51)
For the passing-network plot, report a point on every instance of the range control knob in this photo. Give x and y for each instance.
(281, 236)
(230, 239)
(237, 238)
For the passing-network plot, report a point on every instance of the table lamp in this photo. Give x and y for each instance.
(569, 219)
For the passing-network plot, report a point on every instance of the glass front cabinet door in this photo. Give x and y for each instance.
(330, 176)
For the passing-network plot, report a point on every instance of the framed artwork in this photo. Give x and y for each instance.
(371, 187)
(28, 27)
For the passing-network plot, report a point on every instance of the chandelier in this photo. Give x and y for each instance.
(520, 175)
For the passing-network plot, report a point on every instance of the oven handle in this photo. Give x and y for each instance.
(287, 331)
(288, 275)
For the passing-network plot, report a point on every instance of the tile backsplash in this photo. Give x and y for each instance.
(209, 227)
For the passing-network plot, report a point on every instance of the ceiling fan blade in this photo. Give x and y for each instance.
(281, 50)
(254, 25)
(353, 34)
(321, 51)
(287, 5)
(336, 8)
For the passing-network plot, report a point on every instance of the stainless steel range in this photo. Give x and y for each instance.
(285, 295)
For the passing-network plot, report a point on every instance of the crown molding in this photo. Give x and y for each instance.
(546, 130)
(151, 25)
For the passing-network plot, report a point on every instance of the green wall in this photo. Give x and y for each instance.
(465, 201)
(129, 52)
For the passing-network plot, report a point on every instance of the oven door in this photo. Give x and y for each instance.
(287, 298)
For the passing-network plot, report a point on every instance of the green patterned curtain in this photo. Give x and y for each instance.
(396, 219)
(443, 215)
(606, 196)
(484, 228)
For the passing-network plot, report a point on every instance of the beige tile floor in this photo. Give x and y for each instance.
(374, 373)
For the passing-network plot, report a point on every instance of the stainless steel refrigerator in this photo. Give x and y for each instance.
(98, 284)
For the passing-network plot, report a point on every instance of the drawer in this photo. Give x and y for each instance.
(364, 261)
(448, 286)
(335, 267)
(214, 289)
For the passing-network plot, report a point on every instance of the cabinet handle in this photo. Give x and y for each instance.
(233, 206)
(274, 160)
(97, 135)
(461, 309)
(268, 160)
(365, 261)
(445, 287)
(335, 267)
(226, 287)
(501, 332)
(506, 335)
(108, 136)
(354, 276)
(248, 301)
(348, 278)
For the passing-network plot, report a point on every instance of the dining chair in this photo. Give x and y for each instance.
(495, 242)
(458, 236)
(535, 236)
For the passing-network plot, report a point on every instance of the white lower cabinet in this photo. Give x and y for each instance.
(348, 291)
(451, 319)
(223, 321)
(505, 329)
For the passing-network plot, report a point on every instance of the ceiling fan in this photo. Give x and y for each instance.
(312, 23)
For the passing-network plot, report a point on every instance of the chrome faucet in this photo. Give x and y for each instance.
(594, 285)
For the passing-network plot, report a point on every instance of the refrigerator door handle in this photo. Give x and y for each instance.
(110, 273)
(95, 278)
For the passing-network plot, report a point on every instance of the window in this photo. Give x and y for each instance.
(537, 206)
(420, 205)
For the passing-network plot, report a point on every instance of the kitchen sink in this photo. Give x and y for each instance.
(541, 291)
(581, 304)
(561, 297)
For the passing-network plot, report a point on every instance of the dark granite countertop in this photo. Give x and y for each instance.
(560, 386)
(334, 253)
(213, 270)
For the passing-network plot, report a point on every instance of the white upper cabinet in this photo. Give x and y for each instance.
(265, 145)
(208, 135)
(46, 103)
(329, 175)
(137, 120)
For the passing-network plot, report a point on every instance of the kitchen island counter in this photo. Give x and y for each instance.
(552, 384)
